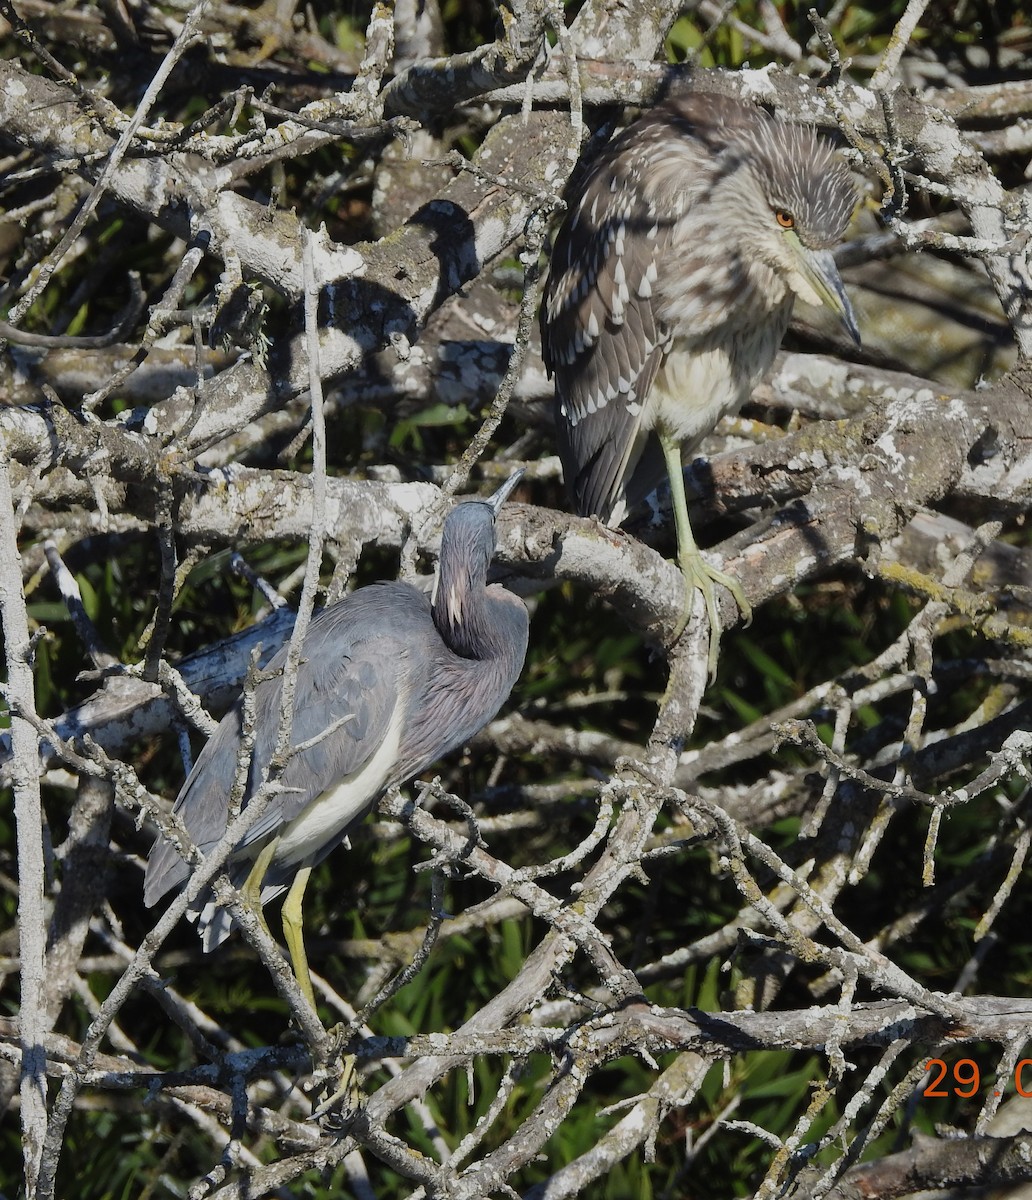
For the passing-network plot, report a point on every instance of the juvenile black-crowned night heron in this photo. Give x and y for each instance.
(390, 681)
(669, 290)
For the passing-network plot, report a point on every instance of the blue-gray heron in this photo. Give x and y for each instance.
(390, 680)
(669, 290)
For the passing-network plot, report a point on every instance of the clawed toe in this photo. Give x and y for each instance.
(346, 1098)
(699, 574)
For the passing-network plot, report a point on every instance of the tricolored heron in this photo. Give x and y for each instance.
(389, 682)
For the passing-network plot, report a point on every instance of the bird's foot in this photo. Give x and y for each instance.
(698, 573)
(345, 1099)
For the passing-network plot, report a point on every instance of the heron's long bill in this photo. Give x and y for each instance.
(505, 491)
(818, 267)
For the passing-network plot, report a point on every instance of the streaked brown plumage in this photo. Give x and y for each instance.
(670, 287)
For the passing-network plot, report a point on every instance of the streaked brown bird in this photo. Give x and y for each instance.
(670, 287)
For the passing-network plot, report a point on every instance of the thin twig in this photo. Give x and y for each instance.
(28, 814)
(898, 43)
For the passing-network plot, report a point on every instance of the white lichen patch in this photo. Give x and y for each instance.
(853, 477)
(801, 371)
(808, 461)
(858, 103)
(332, 261)
(955, 409)
(490, 238)
(757, 84)
(1018, 479)
(804, 567)
(896, 459)
(940, 140)
(227, 475)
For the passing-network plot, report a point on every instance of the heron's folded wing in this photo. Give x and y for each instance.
(202, 805)
(601, 337)
(613, 299)
(346, 690)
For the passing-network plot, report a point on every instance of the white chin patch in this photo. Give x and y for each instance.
(803, 289)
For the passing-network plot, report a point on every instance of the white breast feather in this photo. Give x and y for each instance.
(338, 806)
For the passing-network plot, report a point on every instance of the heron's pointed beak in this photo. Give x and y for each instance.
(505, 491)
(818, 269)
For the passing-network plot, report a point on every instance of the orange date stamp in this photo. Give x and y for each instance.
(967, 1078)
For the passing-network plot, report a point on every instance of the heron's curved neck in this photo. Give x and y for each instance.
(462, 611)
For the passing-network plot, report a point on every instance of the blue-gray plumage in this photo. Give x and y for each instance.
(389, 681)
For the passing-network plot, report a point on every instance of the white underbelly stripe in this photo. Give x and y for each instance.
(338, 806)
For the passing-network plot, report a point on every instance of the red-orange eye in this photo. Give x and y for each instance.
(784, 219)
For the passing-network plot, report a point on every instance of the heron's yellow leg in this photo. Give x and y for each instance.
(697, 572)
(293, 933)
(347, 1098)
(347, 1093)
(252, 888)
